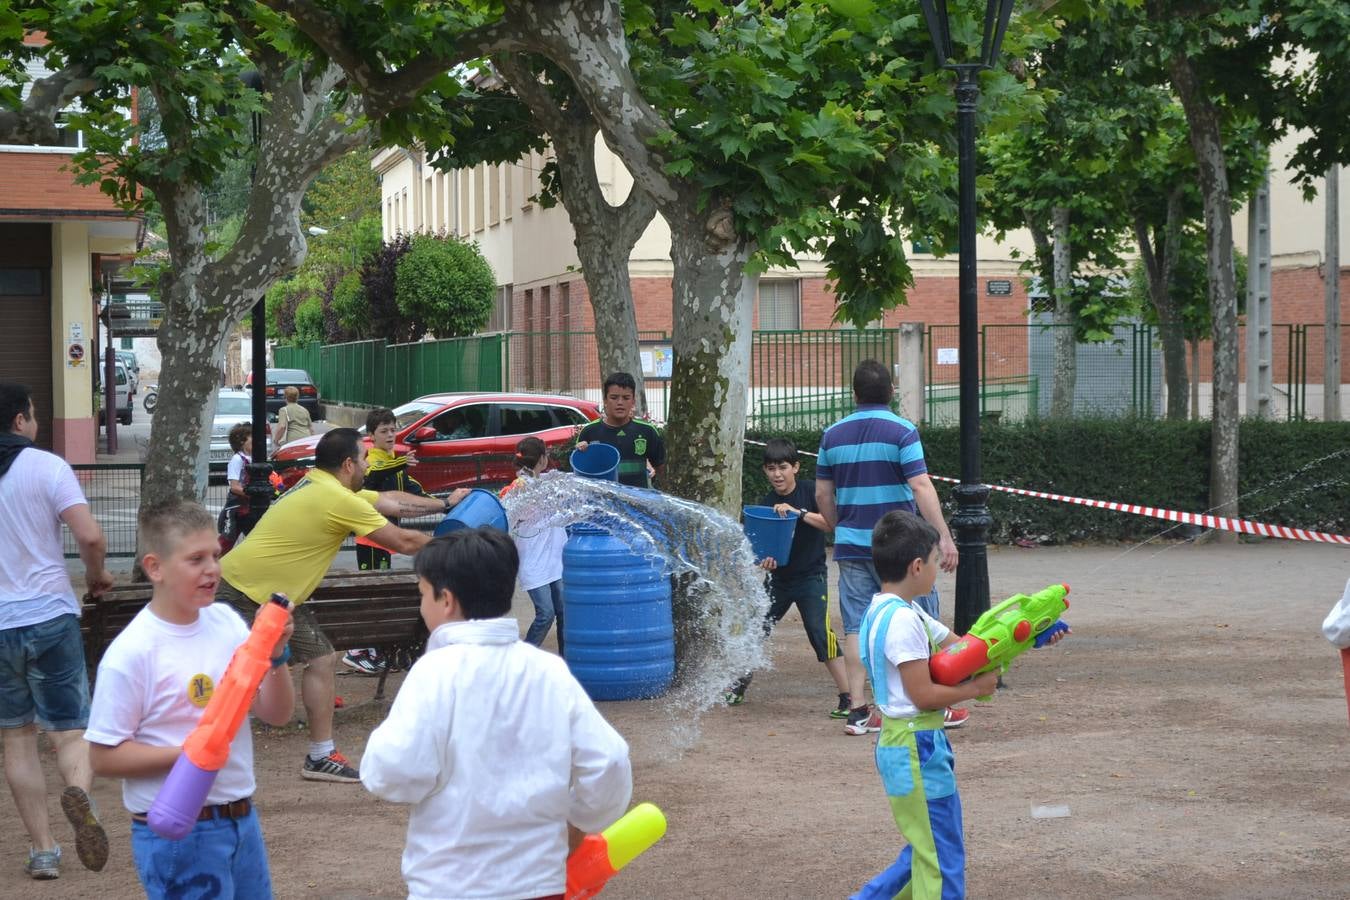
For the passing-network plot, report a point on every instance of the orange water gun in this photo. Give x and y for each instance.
(180, 800)
(601, 855)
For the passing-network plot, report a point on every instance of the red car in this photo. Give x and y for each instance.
(464, 440)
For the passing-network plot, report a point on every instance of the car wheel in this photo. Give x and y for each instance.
(124, 418)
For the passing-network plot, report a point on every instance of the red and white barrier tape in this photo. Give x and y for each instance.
(1265, 529)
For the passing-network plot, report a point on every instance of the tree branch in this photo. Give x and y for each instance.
(526, 85)
(35, 121)
(385, 90)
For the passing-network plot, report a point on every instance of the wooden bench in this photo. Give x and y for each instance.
(355, 609)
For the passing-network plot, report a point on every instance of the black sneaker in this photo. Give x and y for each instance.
(333, 767)
(841, 711)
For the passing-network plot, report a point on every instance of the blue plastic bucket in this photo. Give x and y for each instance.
(597, 461)
(480, 507)
(619, 633)
(770, 534)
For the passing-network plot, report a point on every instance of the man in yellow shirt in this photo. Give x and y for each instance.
(290, 551)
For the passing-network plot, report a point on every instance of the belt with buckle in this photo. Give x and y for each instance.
(235, 809)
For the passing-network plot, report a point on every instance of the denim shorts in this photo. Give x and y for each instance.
(222, 858)
(858, 583)
(42, 675)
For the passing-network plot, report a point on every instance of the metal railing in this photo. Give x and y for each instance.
(113, 491)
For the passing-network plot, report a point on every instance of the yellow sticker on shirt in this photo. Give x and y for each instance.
(200, 688)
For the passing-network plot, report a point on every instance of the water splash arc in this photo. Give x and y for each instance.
(720, 600)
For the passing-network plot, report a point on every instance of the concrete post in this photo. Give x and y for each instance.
(909, 371)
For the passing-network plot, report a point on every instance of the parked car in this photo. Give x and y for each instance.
(121, 393)
(277, 382)
(464, 439)
(232, 407)
(128, 359)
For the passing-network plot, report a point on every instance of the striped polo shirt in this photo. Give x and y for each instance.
(870, 456)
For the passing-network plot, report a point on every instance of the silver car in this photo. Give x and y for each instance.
(232, 407)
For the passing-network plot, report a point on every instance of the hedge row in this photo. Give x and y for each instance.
(1291, 473)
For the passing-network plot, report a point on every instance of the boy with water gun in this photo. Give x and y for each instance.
(898, 642)
(491, 739)
(154, 685)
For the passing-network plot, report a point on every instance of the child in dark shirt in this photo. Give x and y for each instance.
(802, 578)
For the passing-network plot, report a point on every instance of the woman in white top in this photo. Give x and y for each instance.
(293, 421)
(540, 551)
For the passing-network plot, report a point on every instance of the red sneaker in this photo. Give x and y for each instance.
(954, 717)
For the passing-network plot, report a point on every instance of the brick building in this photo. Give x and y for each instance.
(56, 240)
(541, 288)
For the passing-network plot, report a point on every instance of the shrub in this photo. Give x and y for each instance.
(1291, 473)
(446, 284)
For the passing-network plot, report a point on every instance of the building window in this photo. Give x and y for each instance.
(438, 188)
(465, 189)
(403, 214)
(479, 184)
(565, 306)
(424, 222)
(780, 307)
(500, 320)
(494, 195)
(510, 173)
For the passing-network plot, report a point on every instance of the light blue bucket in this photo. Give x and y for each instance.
(597, 461)
(770, 534)
(480, 507)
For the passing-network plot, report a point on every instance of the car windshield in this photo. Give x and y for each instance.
(409, 413)
(234, 406)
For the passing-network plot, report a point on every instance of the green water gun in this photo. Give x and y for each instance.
(1000, 635)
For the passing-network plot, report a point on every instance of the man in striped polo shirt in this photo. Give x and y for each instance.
(871, 462)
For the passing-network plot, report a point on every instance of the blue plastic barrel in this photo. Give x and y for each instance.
(597, 461)
(770, 534)
(619, 634)
(480, 507)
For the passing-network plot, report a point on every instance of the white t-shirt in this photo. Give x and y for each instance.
(497, 747)
(154, 683)
(234, 470)
(34, 585)
(541, 553)
(906, 639)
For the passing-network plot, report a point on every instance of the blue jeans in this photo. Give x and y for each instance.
(548, 605)
(42, 675)
(858, 582)
(220, 859)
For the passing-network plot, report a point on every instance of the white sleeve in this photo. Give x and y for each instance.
(906, 640)
(939, 631)
(404, 759)
(117, 708)
(65, 489)
(234, 471)
(602, 776)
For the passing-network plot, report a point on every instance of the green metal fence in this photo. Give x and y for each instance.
(567, 362)
(802, 379)
(373, 373)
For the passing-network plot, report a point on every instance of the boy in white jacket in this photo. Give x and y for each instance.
(492, 740)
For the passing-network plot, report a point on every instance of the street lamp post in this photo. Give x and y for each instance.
(972, 520)
(259, 487)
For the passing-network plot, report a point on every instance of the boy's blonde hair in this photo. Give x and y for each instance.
(291, 394)
(162, 525)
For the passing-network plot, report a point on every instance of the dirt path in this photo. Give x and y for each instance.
(1194, 725)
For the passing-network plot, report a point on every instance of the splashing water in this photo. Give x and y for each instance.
(719, 596)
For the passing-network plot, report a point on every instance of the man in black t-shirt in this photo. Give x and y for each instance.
(802, 578)
(637, 441)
